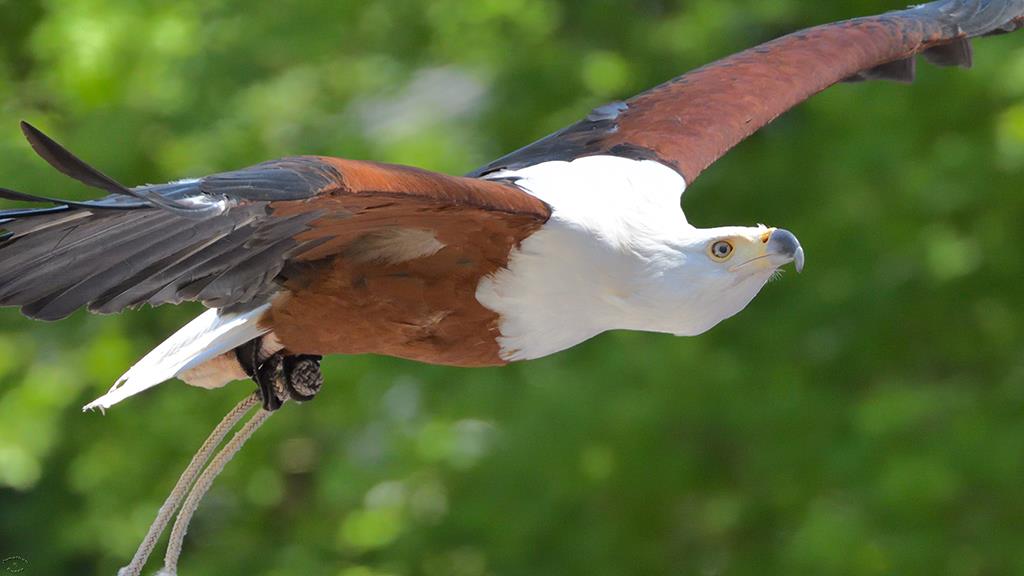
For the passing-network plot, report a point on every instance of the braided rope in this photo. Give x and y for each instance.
(180, 490)
(296, 378)
(202, 486)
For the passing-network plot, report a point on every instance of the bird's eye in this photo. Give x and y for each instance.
(721, 250)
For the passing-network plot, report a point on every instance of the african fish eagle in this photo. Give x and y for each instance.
(578, 233)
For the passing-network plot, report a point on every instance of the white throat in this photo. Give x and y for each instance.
(607, 258)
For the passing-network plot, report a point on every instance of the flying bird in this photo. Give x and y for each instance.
(578, 233)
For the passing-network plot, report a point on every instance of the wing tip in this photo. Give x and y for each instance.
(957, 53)
(66, 162)
(31, 132)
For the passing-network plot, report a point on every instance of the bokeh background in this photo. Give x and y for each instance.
(862, 418)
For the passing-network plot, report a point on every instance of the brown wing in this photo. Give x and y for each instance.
(226, 239)
(693, 120)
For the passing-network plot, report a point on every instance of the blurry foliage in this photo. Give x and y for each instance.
(863, 418)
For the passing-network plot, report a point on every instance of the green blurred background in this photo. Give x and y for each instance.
(862, 418)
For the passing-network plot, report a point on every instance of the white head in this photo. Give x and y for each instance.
(708, 275)
(618, 253)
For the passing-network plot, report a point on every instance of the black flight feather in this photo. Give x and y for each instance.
(215, 239)
(67, 163)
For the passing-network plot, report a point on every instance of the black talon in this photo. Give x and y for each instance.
(270, 377)
(267, 374)
(280, 377)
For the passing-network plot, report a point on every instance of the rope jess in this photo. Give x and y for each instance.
(181, 488)
(279, 378)
(202, 486)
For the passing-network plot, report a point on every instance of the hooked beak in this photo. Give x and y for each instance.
(783, 243)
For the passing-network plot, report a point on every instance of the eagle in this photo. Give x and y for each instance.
(573, 235)
(576, 234)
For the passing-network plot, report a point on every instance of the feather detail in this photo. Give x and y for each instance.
(211, 334)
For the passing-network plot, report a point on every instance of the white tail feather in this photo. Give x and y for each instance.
(209, 335)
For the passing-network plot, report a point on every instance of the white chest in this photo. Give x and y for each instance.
(595, 265)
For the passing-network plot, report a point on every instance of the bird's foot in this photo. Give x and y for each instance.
(281, 377)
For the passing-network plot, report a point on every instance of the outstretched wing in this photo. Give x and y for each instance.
(226, 240)
(691, 121)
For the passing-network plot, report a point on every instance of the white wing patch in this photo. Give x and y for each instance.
(209, 335)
